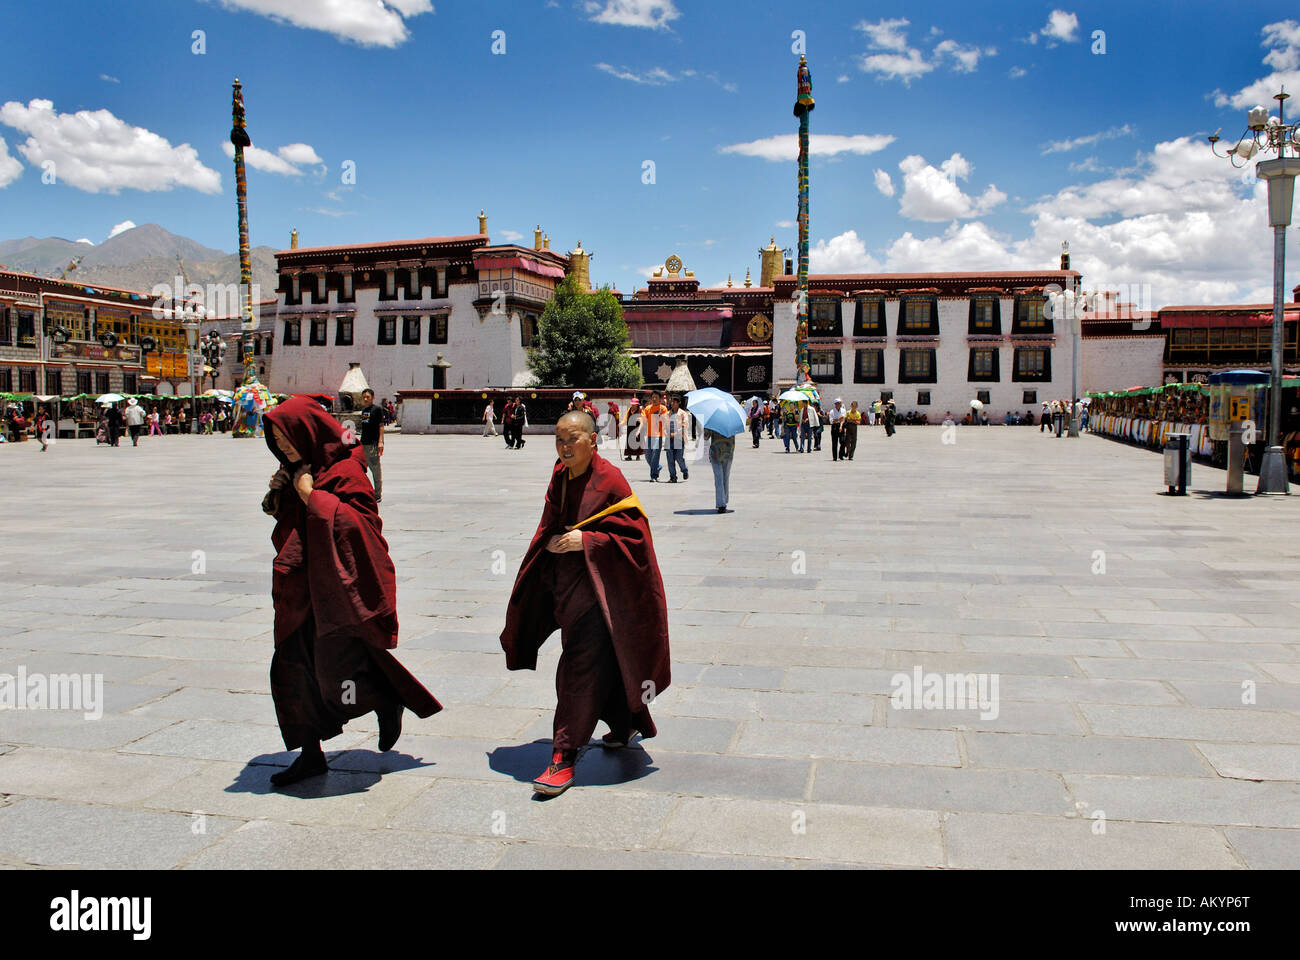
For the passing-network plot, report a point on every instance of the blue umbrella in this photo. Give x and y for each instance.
(716, 411)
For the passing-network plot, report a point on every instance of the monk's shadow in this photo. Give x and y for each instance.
(597, 767)
(350, 771)
(699, 512)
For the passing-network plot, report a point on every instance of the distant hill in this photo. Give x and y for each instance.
(136, 259)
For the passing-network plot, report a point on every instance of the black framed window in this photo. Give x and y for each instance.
(411, 291)
(923, 398)
(257, 346)
(101, 381)
(886, 396)
(1033, 363)
(347, 291)
(6, 328)
(27, 329)
(983, 396)
(318, 332)
(387, 331)
(343, 332)
(1029, 396)
(528, 329)
(270, 342)
(7, 380)
(825, 366)
(291, 299)
(869, 366)
(870, 318)
(129, 384)
(410, 329)
(825, 317)
(918, 315)
(983, 364)
(1031, 314)
(388, 285)
(54, 382)
(985, 315)
(917, 365)
(83, 381)
(438, 328)
(292, 333)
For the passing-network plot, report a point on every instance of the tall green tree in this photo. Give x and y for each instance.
(582, 341)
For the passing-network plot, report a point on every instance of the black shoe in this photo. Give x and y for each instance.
(307, 765)
(722, 509)
(672, 480)
(685, 475)
(390, 727)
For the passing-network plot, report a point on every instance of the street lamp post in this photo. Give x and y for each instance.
(1276, 135)
(1070, 305)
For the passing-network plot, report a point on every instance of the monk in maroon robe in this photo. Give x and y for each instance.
(335, 593)
(591, 571)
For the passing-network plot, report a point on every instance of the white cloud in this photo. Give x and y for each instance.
(891, 56)
(785, 224)
(1087, 165)
(931, 193)
(884, 183)
(842, 78)
(1183, 227)
(785, 146)
(104, 76)
(86, 241)
(10, 167)
(288, 160)
(1061, 26)
(369, 23)
(122, 227)
(1283, 42)
(511, 236)
(95, 151)
(654, 14)
(655, 77)
(1015, 73)
(964, 59)
(845, 253)
(1062, 146)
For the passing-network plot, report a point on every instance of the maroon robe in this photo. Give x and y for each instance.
(620, 559)
(334, 588)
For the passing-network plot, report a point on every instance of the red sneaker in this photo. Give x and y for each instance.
(557, 778)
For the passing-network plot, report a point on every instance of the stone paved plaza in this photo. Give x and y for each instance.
(1121, 738)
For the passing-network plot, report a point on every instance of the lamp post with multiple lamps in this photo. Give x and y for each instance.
(1272, 134)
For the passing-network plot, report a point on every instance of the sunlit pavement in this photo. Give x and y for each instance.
(1137, 653)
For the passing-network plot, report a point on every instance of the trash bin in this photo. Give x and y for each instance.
(1236, 459)
(1178, 463)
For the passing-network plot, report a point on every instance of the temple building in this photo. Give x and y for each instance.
(60, 338)
(724, 333)
(450, 311)
(931, 342)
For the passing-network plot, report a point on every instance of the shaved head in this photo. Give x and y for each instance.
(579, 418)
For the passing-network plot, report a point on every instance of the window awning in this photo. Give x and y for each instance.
(1222, 319)
(518, 263)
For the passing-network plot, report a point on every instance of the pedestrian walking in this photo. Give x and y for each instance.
(634, 431)
(134, 417)
(372, 439)
(675, 440)
(591, 571)
(891, 418)
(852, 420)
(656, 416)
(612, 424)
(722, 451)
(755, 421)
(836, 416)
(816, 421)
(114, 424)
(790, 425)
(489, 420)
(334, 590)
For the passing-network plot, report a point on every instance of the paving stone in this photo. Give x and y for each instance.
(292, 846)
(1266, 849)
(545, 856)
(836, 741)
(805, 831)
(59, 833)
(1084, 754)
(1193, 723)
(89, 776)
(1254, 761)
(1009, 842)
(939, 788)
(1190, 800)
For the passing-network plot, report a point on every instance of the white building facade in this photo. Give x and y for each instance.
(931, 342)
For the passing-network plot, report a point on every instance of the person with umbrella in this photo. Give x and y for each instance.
(114, 424)
(721, 418)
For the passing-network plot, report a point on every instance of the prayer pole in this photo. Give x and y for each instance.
(239, 137)
(802, 107)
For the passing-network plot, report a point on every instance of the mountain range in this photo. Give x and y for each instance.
(136, 259)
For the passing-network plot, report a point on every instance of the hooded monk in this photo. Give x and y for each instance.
(591, 571)
(334, 591)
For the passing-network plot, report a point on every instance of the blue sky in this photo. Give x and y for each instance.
(961, 135)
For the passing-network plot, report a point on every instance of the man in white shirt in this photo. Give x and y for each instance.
(134, 417)
(489, 420)
(836, 417)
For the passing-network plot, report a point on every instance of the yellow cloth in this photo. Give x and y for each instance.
(631, 502)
